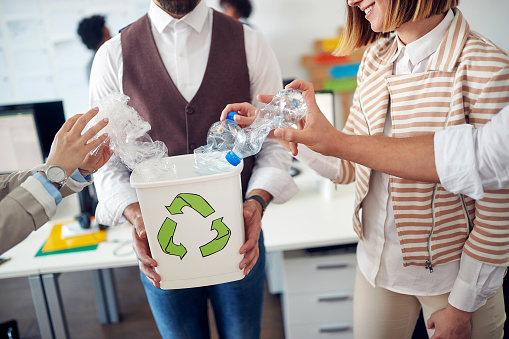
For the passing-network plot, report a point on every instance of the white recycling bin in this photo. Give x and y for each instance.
(194, 224)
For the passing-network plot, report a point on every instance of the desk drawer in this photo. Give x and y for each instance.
(320, 273)
(321, 331)
(320, 308)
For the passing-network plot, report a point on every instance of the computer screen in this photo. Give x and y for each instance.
(27, 131)
(20, 149)
(325, 101)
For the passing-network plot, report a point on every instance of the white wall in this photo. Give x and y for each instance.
(41, 55)
(291, 26)
(42, 58)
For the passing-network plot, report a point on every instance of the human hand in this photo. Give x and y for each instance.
(252, 212)
(95, 161)
(140, 244)
(450, 323)
(246, 113)
(314, 130)
(70, 148)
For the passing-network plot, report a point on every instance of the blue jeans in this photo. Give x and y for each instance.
(181, 314)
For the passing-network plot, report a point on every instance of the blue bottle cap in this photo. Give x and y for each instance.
(232, 158)
(230, 116)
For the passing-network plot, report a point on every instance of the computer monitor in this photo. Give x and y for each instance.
(325, 101)
(27, 131)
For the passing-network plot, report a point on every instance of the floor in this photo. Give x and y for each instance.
(79, 303)
(136, 318)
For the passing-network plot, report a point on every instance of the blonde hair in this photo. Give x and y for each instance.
(358, 32)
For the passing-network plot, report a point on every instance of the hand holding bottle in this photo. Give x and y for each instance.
(314, 130)
(285, 109)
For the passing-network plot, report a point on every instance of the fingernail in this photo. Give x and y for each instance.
(96, 108)
(105, 134)
(248, 271)
(106, 119)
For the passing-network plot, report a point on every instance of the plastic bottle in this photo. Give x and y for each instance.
(286, 109)
(210, 159)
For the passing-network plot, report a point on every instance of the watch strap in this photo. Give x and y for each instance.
(260, 200)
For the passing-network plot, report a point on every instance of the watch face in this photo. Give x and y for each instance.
(56, 174)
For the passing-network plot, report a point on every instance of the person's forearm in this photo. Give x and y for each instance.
(132, 212)
(410, 158)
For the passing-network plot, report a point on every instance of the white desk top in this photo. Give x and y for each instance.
(116, 251)
(317, 216)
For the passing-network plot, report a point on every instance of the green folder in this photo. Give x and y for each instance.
(40, 253)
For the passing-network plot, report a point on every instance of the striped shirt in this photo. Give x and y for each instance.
(467, 81)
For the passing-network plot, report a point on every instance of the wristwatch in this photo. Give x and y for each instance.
(55, 174)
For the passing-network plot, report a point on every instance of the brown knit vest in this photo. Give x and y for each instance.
(183, 125)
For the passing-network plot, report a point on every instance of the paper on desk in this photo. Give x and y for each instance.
(56, 243)
(74, 228)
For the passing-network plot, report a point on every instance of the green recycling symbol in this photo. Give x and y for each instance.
(200, 205)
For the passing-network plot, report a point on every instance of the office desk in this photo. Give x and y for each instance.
(319, 215)
(43, 271)
(314, 275)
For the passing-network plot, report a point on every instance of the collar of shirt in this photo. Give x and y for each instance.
(422, 48)
(195, 19)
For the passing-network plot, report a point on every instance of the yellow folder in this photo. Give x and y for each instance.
(56, 243)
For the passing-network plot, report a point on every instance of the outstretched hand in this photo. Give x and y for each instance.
(314, 130)
(70, 148)
(96, 160)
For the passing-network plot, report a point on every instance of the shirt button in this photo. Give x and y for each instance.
(192, 147)
(190, 111)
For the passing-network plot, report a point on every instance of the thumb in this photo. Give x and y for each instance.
(430, 323)
(294, 148)
(139, 225)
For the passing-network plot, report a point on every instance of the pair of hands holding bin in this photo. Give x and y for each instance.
(252, 210)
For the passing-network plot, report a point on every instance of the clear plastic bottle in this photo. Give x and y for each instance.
(210, 159)
(286, 109)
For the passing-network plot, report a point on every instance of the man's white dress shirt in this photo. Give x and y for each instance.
(469, 160)
(184, 45)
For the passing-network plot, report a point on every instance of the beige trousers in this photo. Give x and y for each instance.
(383, 314)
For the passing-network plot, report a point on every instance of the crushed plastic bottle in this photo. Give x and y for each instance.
(286, 109)
(210, 159)
(129, 140)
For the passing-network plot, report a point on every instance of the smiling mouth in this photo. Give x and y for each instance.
(368, 9)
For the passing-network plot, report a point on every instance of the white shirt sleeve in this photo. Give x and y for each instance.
(112, 180)
(476, 282)
(492, 151)
(469, 160)
(325, 166)
(272, 167)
